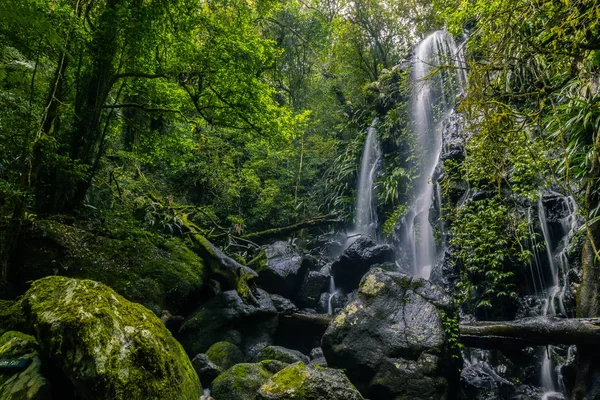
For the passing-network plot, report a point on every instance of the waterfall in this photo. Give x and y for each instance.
(433, 101)
(331, 293)
(366, 213)
(553, 290)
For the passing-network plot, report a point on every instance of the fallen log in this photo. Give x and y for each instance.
(499, 334)
(530, 332)
(307, 223)
(318, 320)
(237, 275)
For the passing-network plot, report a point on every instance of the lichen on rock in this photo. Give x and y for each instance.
(106, 346)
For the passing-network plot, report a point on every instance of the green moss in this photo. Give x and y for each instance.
(241, 382)
(8, 336)
(288, 380)
(259, 263)
(108, 347)
(11, 316)
(224, 354)
(157, 272)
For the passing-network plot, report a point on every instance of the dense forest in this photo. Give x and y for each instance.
(299, 199)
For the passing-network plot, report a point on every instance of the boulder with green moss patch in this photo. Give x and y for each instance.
(299, 382)
(159, 273)
(106, 346)
(225, 355)
(242, 381)
(27, 384)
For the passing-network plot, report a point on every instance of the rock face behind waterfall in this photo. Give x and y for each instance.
(391, 339)
(356, 261)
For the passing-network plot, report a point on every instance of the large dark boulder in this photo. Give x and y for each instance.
(391, 339)
(104, 346)
(301, 382)
(227, 312)
(356, 260)
(280, 269)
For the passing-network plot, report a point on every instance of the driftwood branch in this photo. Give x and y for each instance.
(307, 223)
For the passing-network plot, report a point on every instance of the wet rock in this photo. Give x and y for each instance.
(283, 305)
(313, 285)
(242, 381)
(24, 384)
(280, 269)
(225, 355)
(338, 301)
(228, 312)
(282, 354)
(356, 261)
(206, 369)
(254, 344)
(302, 382)
(480, 381)
(390, 339)
(317, 357)
(106, 346)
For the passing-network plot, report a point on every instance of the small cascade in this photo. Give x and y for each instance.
(433, 102)
(366, 213)
(331, 294)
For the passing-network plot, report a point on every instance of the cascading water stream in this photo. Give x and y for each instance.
(331, 294)
(433, 100)
(553, 290)
(366, 215)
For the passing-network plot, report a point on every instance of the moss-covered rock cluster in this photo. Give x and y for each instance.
(159, 273)
(106, 346)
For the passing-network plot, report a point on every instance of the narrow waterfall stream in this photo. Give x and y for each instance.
(366, 213)
(552, 291)
(433, 100)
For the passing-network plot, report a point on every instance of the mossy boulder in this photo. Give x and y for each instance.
(149, 269)
(282, 354)
(106, 346)
(299, 382)
(224, 354)
(242, 381)
(27, 384)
